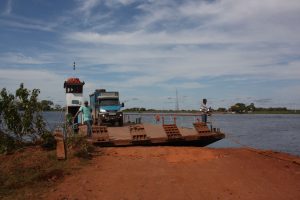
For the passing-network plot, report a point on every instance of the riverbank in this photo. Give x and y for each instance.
(31, 172)
(171, 173)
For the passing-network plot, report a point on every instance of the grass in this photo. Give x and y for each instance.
(27, 174)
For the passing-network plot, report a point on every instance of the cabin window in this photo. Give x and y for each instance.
(109, 102)
(75, 101)
(74, 89)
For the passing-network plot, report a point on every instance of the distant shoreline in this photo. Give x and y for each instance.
(198, 113)
(194, 112)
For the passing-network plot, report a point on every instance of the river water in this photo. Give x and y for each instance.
(275, 132)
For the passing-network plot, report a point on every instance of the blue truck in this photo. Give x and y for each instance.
(106, 107)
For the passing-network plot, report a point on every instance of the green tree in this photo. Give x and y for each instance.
(46, 105)
(221, 110)
(251, 107)
(57, 107)
(21, 114)
(238, 108)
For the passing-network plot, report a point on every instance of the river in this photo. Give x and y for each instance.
(263, 131)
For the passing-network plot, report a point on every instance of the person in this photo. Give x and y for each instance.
(157, 118)
(205, 110)
(87, 117)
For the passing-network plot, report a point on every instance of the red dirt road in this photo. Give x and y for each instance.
(183, 173)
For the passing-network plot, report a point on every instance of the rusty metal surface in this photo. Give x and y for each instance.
(150, 135)
(138, 133)
(172, 131)
(201, 128)
(100, 133)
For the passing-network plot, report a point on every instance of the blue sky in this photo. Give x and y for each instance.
(227, 51)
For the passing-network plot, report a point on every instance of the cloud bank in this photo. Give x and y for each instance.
(218, 49)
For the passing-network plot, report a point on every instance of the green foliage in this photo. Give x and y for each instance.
(7, 143)
(31, 169)
(46, 105)
(135, 110)
(80, 147)
(222, 110)
(239, 108)
(251, 107)
(21, 114)
(242, 108)
(48, 141)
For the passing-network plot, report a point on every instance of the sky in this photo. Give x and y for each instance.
(227, 51)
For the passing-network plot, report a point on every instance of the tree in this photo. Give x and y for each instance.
(221, 110)
(251, 107)
(21, 114)
(46, 105)
(57, 107)
(238, 108)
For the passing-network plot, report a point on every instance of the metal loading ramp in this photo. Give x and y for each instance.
(202, 128)
(100, 133)
(151, 135)
(138, 134)
(172, 131)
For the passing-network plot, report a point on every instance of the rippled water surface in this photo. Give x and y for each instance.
(276, 132)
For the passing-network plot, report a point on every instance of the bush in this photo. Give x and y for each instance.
(20, 118)
(48, 141)
(7, 143)
(79, 146)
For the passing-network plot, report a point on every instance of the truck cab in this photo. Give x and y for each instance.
(106, 107)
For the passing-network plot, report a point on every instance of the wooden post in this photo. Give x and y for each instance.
(61, 152)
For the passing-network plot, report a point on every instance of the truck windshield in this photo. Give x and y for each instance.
(109, 102)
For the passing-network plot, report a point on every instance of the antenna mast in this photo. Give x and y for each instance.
(177, 103)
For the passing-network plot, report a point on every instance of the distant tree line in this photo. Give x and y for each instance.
(239, 108)
(243, 108)
(47, 105)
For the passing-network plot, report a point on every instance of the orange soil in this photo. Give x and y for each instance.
(183, 173)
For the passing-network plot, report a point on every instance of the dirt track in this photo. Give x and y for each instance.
(183, 173)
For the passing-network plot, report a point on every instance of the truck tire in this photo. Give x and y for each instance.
(121, 122)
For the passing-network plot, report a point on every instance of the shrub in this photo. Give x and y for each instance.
(7, 143)
(20, 117)
(79, 146)
(48, 141)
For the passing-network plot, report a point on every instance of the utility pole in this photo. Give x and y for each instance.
(177, 103)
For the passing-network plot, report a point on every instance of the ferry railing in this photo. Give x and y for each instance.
(180, 119)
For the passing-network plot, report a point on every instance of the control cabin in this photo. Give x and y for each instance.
(74, 95)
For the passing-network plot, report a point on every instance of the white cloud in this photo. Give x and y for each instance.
(20, 58)
(87, 5)
(50, 84)
(145, 38)
(22, 22)
(27, 75)
(168, 41)
(235, 37)
(8, 8)
(116, 3)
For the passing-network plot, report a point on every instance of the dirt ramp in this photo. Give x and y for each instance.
(182, 173)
